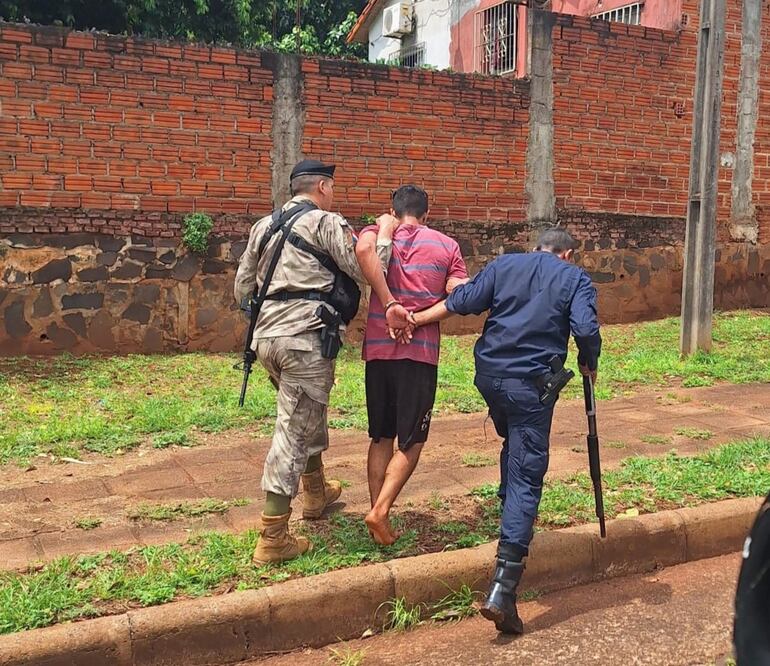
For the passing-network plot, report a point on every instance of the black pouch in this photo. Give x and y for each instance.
(345, 296)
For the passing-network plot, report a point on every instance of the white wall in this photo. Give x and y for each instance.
(433, 19)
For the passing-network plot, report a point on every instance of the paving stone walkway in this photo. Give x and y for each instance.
(38, 509)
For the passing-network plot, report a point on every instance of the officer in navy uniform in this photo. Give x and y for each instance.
(534, 300)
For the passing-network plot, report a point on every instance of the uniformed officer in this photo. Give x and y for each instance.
(287, 342)
(534, 300)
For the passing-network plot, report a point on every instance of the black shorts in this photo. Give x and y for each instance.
(399, 400)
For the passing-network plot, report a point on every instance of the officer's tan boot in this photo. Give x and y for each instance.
(318, 493)
(276, 544)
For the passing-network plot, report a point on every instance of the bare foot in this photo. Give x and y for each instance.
(380, 529)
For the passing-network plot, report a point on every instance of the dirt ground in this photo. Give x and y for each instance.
(39, 505)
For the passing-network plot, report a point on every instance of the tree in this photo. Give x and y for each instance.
(246, 23)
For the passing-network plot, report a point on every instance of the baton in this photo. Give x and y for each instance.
(593, 451)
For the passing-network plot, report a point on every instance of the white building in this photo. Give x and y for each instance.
(486, 36)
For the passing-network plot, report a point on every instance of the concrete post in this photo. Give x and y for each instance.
(700, 237)
(288, 121)
(541, 208)
(744, 224)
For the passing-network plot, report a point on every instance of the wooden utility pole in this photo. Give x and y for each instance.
(700, 236)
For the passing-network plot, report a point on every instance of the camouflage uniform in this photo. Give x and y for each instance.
(287, 340)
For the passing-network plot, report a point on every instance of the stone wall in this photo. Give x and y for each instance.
(94, 293)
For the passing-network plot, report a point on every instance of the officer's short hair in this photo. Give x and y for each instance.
(556, 240)
(305, 184)
(410, 200)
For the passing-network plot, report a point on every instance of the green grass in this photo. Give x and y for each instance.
(656, 439)
(400, 616)
(167, 512)
(66, 405)
(457, 605)
(478, 460)
(694, 433)
(346, 656)
(87, 523)
(78, 587)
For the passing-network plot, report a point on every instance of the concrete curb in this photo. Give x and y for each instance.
(340, 605)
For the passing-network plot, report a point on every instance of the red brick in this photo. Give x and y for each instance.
(32, 90)
(17, 70)
(21, 36)
(34, 54)
(80, 40)
(17, 181)
(78, 183)
(35, 199)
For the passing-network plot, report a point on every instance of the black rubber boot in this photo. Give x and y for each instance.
(500, 606)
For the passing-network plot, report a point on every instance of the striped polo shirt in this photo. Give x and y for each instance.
(423, 260)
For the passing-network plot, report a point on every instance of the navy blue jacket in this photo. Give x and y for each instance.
(534, 300)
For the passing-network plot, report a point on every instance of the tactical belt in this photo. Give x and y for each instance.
(299, 295)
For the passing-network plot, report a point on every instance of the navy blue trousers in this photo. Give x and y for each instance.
(525, 426)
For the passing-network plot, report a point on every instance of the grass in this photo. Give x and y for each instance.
(478, 460)
(656, 439)
(87, 586)
(66, 406)
(346, 657)
(87, 523)
(457, 605)
(168, 512)
(694, 433)
(400, 616)
(437, 502)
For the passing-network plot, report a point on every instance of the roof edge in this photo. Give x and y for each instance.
(358, 32)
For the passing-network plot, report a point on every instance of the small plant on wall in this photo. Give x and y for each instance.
(197, 229)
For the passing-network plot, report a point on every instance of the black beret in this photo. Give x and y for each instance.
(313, 168)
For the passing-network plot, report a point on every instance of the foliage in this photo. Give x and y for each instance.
(88, 523)
(476, 459)
(166, 512)
(400, 615)
(246, 23)
(346, 656)
(457, 605)
(196, 231)
(693, 433)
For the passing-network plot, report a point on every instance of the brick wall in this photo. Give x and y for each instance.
(94, 123)
(121, 137)
(623, 118)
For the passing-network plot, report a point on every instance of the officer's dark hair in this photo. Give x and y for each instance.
(410, 200)
(556, 240)
(305, 184)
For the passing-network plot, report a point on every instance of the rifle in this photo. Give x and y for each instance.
(593, 451)
(255, 301)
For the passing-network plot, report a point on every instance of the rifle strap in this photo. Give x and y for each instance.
(283, 221)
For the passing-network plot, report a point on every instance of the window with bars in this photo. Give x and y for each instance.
(630, 14)
(410, 56)
(496, 29)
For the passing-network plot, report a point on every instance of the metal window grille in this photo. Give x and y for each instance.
(496, 29)
(411, 56)
(630, 14)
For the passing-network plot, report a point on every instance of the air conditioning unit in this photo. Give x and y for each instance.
(398, 20)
